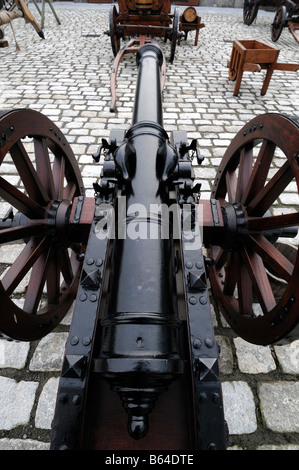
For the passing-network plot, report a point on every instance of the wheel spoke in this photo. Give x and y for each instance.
(231, 185)
(221, 258)
(245, 169)
(43, 165)
(268, 195)
(69, 191)
(231, 275)
(260, 171)
(261, 224)
(20, 201)
(33, 229)
(244, 291)
(272, 257)
(37, 282)
(65, 265)
(53, 273)
(28, 174)
(58, 176)
(23, 263)
(259, 279)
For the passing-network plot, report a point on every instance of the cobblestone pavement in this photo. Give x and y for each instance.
(67, 77)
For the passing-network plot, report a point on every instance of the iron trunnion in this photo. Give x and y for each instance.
(145, 229)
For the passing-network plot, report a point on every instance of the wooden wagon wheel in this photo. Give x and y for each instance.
(175, 33)
(115, 40)
(278, 23)
(39, 179)
(258, 166)
(250, 10)
(233, 64)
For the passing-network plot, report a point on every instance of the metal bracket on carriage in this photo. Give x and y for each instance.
(106, 148)
(184, 148)
(81, 217)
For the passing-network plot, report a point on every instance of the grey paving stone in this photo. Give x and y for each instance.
(17, 399)
(253, 359)
(13, 354)
(46, 404)
(49, 353)
(23, 444)
(239, 407)
(281, 447)
(280, 405)
(288, 357)
(226, 360)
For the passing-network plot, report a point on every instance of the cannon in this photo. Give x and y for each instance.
(286, 15)
(251, 8)
(13, 10)
(141, 369)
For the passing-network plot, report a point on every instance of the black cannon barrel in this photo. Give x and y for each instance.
(148, 97)
(139, 353)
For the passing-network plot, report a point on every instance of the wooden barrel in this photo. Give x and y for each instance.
(189, 14)
(143, 4)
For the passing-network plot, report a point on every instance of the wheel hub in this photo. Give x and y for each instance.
(234, 220)
(58, 216)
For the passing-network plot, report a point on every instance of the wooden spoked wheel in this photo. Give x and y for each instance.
(250, 10)
(115, 40)
(255, 284)
(39, 177)
(175, 33)
(234, 64)
(278, 23)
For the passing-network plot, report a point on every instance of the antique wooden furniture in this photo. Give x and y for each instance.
(254, 56)
(190, 21)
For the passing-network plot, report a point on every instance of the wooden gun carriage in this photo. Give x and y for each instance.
(142, 21)
(287, 15)
(132, 256)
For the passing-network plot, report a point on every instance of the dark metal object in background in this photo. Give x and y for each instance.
(286, 15)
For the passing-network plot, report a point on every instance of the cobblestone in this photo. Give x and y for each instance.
(67, 77)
